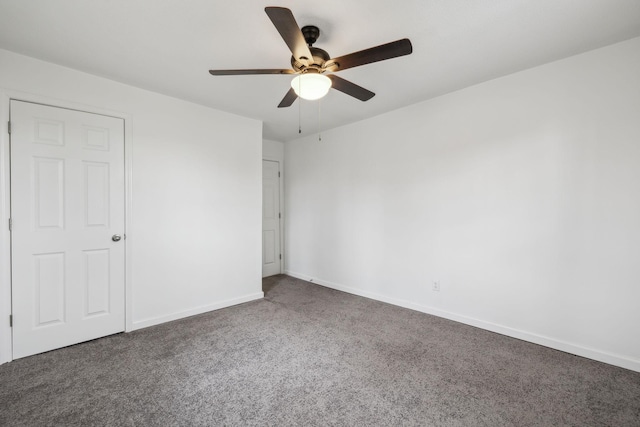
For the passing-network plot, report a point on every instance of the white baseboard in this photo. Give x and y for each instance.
(567, 347)
(197, 310)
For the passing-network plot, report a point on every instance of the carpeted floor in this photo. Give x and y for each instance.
(307, 355)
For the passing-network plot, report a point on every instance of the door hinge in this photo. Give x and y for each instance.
(10, 224)
(279, 215)
(9, 127)
(11, 320)
(280, 256)
(278, 171)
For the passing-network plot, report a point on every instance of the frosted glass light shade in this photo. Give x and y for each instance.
(311, 86)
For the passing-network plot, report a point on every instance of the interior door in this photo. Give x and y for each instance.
(271, 254)
(67, 214)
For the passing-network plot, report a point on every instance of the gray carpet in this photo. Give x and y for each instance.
(307, 355)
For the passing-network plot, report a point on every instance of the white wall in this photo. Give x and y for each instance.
(273, 150)
(521, 195)
(194, 241)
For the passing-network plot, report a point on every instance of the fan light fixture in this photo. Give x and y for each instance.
(311, 86)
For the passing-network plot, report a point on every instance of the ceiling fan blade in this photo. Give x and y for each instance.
(288, 99)
(249, 72)
(345, 86)
(286, 25)
(379, 53)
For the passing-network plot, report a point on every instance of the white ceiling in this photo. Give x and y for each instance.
(168, 46)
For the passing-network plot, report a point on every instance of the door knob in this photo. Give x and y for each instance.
(116, 237)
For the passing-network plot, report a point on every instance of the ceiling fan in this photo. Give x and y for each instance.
(314, 65)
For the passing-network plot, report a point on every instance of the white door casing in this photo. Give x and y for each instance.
(67, 201)
(271, 254)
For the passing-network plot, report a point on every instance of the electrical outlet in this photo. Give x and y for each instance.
(436, 286)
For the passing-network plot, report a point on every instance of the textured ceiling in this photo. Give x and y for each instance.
(168, 47)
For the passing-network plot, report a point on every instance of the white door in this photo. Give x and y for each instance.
(67, 206)
(270, 218)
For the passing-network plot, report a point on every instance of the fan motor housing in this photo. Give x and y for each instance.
(319, 58)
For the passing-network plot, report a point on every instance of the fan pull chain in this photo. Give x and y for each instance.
(299, 110)
(319, 132)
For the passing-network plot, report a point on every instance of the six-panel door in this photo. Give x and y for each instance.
(270, 218)
(67, 201)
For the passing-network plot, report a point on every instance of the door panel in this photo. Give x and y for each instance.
(48, 192)
(67, 200)
(270, 218)
(49, 288)
(96, 190)
(269, 247)
(96, 281)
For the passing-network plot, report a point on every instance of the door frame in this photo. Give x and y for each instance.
(280, 161)
(6, 341)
